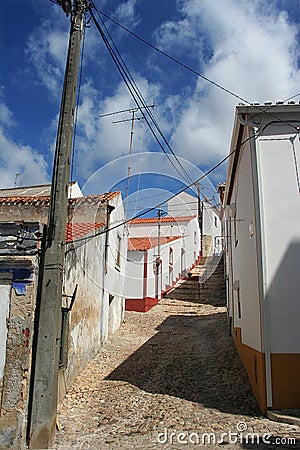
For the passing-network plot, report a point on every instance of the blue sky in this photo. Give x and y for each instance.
(249, 47)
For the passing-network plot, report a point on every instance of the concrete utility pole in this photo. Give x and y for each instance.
(157, 261)
(42, 415)
(200, 218)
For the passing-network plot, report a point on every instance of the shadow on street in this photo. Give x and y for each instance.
(192, 357)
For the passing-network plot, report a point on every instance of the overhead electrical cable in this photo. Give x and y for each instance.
(148, 210)
(136, 94)
(195, 72)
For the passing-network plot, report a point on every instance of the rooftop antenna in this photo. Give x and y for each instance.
(17, 179)
(133, 118)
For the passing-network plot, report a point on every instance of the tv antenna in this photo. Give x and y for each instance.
(133, 111)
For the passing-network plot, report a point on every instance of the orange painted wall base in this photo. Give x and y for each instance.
(254, 363)
(285, 369)
(285, 380)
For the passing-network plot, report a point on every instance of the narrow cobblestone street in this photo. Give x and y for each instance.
(171, 370)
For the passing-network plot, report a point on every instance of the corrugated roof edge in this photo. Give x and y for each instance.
(163, 219)
(45, 200)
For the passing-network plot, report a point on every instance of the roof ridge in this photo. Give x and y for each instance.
(162, 219)
(46, 198)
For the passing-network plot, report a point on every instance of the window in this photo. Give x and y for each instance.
(170, 266)
(216, 222)
(195, 237)
(171, 256)
(118, 255)
(182, 260)
(236, 289)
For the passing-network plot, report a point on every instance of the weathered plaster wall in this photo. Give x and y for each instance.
(5, 287)
(84, 267)
(18, 283)
(114, 282)
(98, 308)
(30, 212)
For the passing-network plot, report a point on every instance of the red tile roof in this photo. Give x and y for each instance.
(45, 200)
(163, 219)
(144, 243)
(78, 230)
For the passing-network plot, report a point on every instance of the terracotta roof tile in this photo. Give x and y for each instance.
(162, 220)
(78, 230)
(45, 200)
(145, 243)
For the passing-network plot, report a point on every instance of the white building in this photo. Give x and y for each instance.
(154, 267)
(185, 204)
(262, 233)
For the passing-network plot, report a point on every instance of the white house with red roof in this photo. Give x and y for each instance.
(93, 301)
(160, 252)
(185, 204)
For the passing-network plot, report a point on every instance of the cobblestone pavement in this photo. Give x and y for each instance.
(169, 371)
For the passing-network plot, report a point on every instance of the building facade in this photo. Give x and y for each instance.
(155, 265)
(262, 247)
(93, 302)
(185, 204)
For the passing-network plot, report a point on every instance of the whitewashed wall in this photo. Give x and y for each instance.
(242, 241)
(5, 288)
(212, 227)
(186, 205)
(116, 275)
(95, 314)
(280, 212)
(189, 241)
(135, 274)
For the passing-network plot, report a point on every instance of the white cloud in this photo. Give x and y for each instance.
(18, 158)
(251, 49)
(6, 117)
(99, 140)
(126, 12)
(246, 46)
(23, 160)
(47, 49)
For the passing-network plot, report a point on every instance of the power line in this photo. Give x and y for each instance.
(135, 92)
(147, 211)
(195, 72)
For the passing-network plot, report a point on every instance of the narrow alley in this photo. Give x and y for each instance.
(171, 370)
